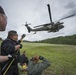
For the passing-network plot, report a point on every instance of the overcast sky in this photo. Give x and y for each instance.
(36, 13)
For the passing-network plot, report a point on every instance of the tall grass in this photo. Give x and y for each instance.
(61, 57)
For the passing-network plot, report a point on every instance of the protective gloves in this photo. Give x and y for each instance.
(20, 46)
(41, 58)
(11, 56)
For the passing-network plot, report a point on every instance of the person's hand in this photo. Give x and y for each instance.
(41, 58)
(23, 36)
(20, 46)
(11, 56)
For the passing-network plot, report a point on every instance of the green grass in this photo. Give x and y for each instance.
(61, 57)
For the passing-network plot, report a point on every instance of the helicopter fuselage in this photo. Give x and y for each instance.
(52, 28)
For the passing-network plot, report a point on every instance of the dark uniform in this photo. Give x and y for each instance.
(8, 47)
(24, 59)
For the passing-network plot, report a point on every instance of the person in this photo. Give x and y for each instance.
(23, 64)
(3, 24)
(35, 67)
(3, 19)
(11, 46)
(24, 58)
(22, 68)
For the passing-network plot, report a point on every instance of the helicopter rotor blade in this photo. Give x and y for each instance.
(49, 12)
(67, 17)
(49, 16)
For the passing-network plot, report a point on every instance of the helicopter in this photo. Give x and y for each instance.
(50, 27)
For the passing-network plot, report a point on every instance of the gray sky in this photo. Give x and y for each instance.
(36, 13)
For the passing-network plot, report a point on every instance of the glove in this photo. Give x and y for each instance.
(14, 55)
(23, 36)
(11, 56)
(41, 58)
(20, 46)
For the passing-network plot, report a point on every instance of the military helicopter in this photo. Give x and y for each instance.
(50, 27)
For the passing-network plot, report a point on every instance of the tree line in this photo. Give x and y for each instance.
(70, 40)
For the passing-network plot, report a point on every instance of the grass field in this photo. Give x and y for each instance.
(61, 57)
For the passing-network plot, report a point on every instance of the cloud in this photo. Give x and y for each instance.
(70, 5)
(36, 13)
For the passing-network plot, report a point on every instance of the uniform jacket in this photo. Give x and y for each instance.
(37, 68)
(8, 47)
(24, 59)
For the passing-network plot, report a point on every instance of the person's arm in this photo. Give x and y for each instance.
(19, 41)
(20, 67)
(5, 58)
(18, 47)
(44, 64)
